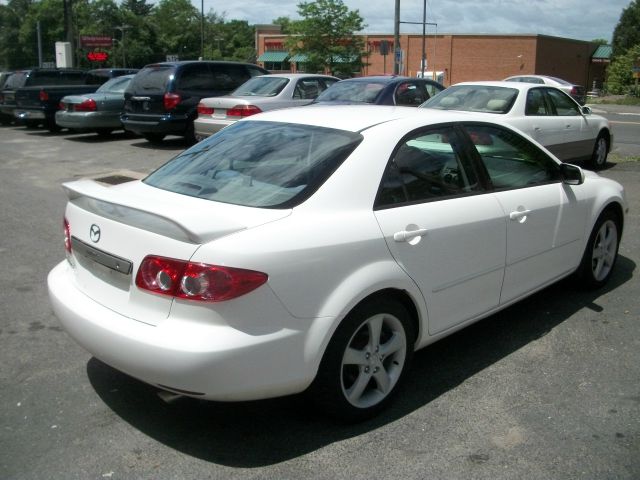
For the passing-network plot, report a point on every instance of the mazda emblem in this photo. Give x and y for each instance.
(94, 233)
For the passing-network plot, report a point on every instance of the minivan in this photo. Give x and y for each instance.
(162, 99)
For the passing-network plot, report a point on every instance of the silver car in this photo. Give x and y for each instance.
(98, 112)
(259, 94)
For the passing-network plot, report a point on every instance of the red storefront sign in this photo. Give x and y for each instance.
(95, 41)
(97, 56)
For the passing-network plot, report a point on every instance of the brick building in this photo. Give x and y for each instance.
(459, 58)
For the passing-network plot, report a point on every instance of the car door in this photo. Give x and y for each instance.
(576, 137)
(543, 215)
(442, 227)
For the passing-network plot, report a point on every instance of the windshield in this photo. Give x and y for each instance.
(115, 85)
(261, 86)
(345, 91)
(474, 98)
(258, 164)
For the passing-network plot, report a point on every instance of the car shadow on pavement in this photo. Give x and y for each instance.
(261, 433)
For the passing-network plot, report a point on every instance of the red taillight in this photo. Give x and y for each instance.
(204, 110)
(44, 96)
(243, 111)
(574, 91)
(170, 100)
(89, 105)
(196, 281)
(61, 106)
(67, 236)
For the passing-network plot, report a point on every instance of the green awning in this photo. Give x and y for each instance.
(298, 57)
(602, 54)
(273, 57)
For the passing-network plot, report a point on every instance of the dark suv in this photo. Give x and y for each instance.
(163, 98)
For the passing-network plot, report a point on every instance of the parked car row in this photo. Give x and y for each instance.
(415, 222)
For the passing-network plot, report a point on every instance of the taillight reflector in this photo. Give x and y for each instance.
(67, 236)
(243, 111)
(204, 110)
(88, 105)
(170, 100)
(196, 281)
(44, 96)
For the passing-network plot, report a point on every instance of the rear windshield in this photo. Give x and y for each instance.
(261, 86)
(115, 85)
(360, 91)
(258, 164)
(474, 98)
(152, 79)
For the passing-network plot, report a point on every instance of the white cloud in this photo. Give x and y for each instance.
(578, 19)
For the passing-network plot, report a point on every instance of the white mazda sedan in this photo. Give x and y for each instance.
(315, 249)
(547, 114)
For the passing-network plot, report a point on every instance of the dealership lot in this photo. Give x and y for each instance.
(548, 388)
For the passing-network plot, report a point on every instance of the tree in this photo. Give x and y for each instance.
(326, 36)
(178, 23)
(627, 31)
(285, 24)
(619, 73)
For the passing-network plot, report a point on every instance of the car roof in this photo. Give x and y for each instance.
(502, 83)
(355, 118)
(298, 75)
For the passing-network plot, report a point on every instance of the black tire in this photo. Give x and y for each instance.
(600, 152)
(190, 134)
(601, 251)
(155, 138)
(52, 126)
(104, 132)
(359, 373)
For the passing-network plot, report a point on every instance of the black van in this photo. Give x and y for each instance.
(163, 98)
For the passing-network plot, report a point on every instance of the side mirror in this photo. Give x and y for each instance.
(571, 175)
(586, 110)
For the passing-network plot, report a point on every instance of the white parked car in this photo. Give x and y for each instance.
(547, 114)
(578, 92)
(259, 94)
(296, 251)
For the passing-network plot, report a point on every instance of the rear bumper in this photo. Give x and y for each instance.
(165, 124)
(26, 114)
(206, 127)
(88, 120)
(204, 359)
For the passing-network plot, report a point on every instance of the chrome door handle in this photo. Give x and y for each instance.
(405, 236)
(519, 215)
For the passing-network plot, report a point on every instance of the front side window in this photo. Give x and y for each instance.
(562, 103)
(427, 166)
(258, 164)
(511, 160)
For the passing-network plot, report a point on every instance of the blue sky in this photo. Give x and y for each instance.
(578, 19)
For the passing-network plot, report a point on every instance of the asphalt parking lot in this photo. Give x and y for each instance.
(547, 389)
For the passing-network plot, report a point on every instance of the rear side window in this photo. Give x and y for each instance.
(258, 164)
(195, 77)
(152, 80)
(228, 77)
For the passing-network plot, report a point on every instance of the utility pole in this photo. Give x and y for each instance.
(68, 23)
(396, 39)
(202, 30)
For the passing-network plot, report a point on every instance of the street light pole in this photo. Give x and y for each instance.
(123, 29)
